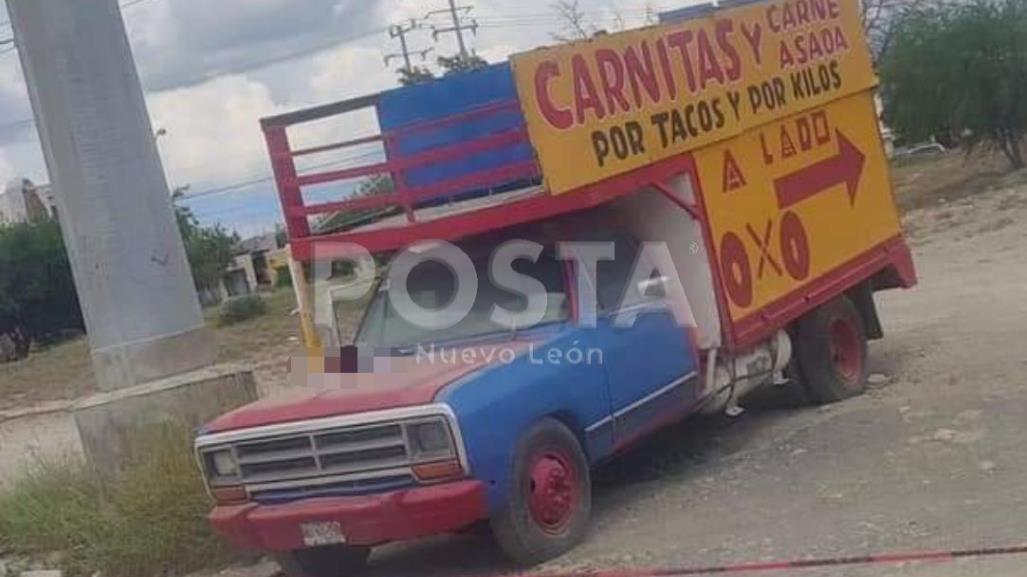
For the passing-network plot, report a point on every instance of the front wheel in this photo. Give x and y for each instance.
(550, 500)
(330, 561)
(832, 351)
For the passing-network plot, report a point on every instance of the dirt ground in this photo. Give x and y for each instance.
(64, 371)
(931, 459)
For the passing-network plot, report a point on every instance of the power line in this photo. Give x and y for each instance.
(265, 179)
(458, 26)
(400, 31)
(554, 16)
(7, 22)
(313, 49)
(16, 124)
(247, 67)
(228, 188)
(509, 20)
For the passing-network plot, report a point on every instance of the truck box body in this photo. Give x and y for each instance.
(770, 119)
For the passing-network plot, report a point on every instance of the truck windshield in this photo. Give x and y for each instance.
(432, 286)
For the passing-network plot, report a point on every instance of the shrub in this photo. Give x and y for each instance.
(242, 309)
(150, 520)
(958, 69)
(283, 277)
(37, 294)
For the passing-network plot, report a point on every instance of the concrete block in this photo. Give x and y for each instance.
(111, 424)
(138, 362)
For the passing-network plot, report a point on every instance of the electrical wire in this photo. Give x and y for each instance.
(511, 20)
(7, 23)
(265, 179)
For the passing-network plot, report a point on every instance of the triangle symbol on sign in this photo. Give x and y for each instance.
(733, 177)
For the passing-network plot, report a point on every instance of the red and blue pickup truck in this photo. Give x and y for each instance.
(728, 167)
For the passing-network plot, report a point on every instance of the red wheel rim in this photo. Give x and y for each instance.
(553, 491)
(846, 354)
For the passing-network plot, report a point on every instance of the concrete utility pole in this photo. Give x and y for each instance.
(152, 353)
(133, 280)
(458, 26)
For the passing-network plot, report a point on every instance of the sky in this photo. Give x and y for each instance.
(212, 69)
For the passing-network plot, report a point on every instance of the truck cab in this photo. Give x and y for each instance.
(426, 445)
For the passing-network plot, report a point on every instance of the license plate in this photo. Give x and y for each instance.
(325, 533)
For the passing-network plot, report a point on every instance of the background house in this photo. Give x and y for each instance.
(22, 201)
(257, 264)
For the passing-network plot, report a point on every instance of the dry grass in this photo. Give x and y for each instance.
(276, 334)
(932, 180)
(150, 521)
(65, 372)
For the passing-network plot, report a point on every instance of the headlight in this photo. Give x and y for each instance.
(431, 439)
(221, 464)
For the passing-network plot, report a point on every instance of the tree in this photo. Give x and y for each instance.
(415, 75)
(209, 249)
(371, 186)
(881, 19)
(38, 302)
(459, 63)
(281, 236)
(961, 69)
(575, 25)
(578, 26)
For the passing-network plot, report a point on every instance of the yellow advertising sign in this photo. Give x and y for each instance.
(795, 199)
(618, 102)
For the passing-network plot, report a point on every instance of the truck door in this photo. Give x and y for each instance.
(650, 363)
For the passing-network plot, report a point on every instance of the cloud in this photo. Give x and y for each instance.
(213, 135)
(7, 172)
(183, 42)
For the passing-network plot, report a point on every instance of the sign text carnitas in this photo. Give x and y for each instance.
(636, 97)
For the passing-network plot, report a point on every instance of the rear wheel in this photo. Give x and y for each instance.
(331, 561)
(832, 351)
(550, 500)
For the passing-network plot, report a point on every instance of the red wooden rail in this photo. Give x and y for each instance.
(290, 183)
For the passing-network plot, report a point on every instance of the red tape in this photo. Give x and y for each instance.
(795, 564)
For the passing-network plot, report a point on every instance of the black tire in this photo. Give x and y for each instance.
(330, 561)
(536, 526)
(831, 348)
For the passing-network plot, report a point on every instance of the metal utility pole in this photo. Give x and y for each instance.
(400, 31)
(458, 26)
(134, 284)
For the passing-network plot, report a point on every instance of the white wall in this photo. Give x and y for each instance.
(652, 217)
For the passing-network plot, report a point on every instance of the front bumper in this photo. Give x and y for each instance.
(365, 520)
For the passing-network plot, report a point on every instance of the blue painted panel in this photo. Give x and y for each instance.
(495, 406)
(446, 97)
(646, 356)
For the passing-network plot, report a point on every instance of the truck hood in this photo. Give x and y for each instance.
(405, 381)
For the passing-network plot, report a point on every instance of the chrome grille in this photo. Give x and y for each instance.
(328, 456)
(355, 450)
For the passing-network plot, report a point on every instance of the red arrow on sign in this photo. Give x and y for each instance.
(846, 167)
